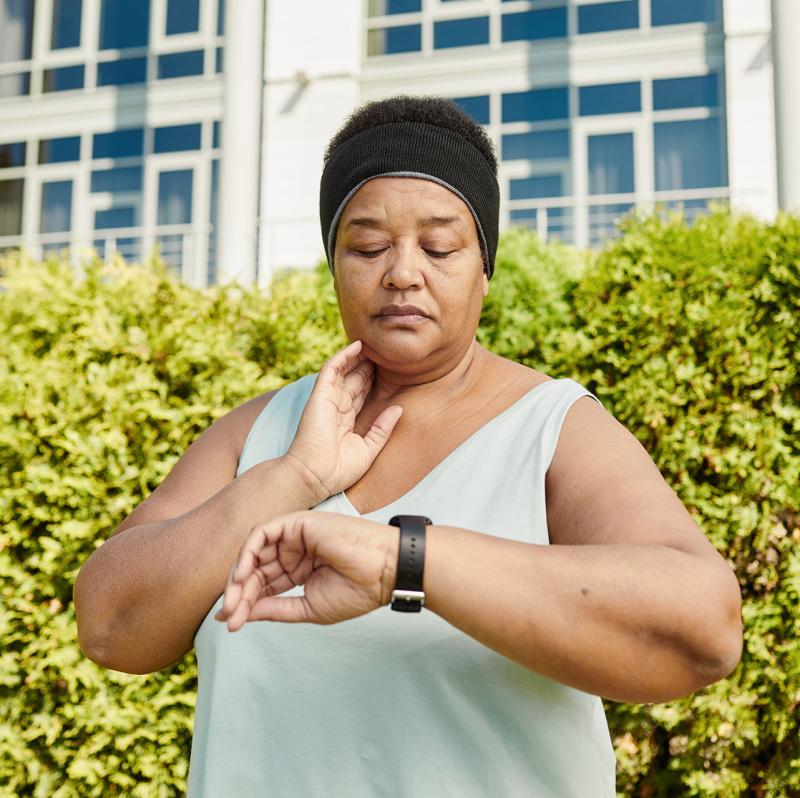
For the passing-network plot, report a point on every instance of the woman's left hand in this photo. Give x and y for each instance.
(347, 565)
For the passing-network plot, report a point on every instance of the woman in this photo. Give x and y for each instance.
(281, 511)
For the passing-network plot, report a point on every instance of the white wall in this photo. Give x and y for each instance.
(313, 58)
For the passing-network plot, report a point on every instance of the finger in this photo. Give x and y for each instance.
(357, 383)
(259, 543)
(382, 428)
(344, 361)
(284, 609)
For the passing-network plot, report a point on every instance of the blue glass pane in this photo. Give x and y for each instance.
(66, 30)
(676, 12)
(16, 30)
(218, 61)
(536, 187)
(175, 197)
(177, 138)
(599, 17)
(61, 150)
(686, 92)
(121, 179)
(689, 154)
(476, 107)
(124, 23)
(63, 78)
(215, 135)
(118, 143)
(460, 32)
(524, 217)
(603, 220)
(611, 98)
(212, 216)
(122, 73)
(56, 207)
(537, 105)
(12, 155)
(17, 85)
(611, 164)
(183, 16)
(539, 145)
(399, 39)
(379, 8)
(180, 65)
(11, 207)
(549, 23)
(221, 18)
(114, 217)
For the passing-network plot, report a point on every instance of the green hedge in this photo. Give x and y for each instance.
(688, 335)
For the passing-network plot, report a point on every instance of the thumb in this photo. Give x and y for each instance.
(381, 429)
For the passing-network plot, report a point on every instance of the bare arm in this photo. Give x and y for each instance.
(633, 604)
(142, 595)
(137, 602)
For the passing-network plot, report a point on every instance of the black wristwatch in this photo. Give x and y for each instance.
(408, 595)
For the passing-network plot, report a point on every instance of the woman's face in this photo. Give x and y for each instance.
(409, 242)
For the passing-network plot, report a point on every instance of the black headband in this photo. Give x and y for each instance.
(411, 149)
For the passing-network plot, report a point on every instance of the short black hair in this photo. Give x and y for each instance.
(405, 108)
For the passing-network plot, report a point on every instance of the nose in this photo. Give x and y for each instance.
(404, 266)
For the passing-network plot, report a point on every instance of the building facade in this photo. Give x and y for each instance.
(200, 126)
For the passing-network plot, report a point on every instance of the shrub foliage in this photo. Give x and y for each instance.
(688, 335)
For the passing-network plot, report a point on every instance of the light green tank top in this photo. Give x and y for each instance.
(391, 704)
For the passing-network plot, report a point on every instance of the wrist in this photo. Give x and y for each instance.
(308, 485)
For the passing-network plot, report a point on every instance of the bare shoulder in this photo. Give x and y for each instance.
(207, 466)
(502, 371)
(603, 487)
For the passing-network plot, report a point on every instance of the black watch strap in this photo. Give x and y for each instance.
(408, 595)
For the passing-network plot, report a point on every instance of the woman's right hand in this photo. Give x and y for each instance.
(325, 447)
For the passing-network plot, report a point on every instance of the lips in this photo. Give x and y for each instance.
(402, 310)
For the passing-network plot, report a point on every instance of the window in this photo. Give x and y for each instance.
(599, 17)
(476, 107)
(702, 91)
(537, 145)
(180, 65)
(221, 18)
(215, 134)
(124, 72)
(118, 180)
(175, 197)
(611, 164)
(460, 32)
(11, 207)
(611, 98)
(549, 23)
(177, 138)
(689, 154)
(12, 155)
(183, 16)
(56, 211)
(378, 8)
(114, 217)
(61, 150)
(17, 85)
(676, 12)
(124, 24)
(399, 39)
(16, 30)
(536, 187)
(118, 143)
(66, 28)
(537, 105)
(63, 78)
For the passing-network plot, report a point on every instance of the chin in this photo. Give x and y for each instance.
(397, 353)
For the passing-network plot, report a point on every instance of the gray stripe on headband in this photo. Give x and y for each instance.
(340, 210)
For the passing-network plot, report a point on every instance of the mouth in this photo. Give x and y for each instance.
(403, 314)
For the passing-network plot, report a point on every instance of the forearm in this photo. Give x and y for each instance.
(141, 596)
(638, 623)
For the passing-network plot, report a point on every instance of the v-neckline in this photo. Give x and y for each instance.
(342, 496)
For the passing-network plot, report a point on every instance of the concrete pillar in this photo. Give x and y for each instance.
(786, 78)
(240, 162)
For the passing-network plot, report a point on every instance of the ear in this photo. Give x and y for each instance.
(485, 282)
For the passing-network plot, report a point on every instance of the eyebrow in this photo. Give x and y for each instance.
(428, 221)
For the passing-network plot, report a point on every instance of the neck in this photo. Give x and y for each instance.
(443, 382)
